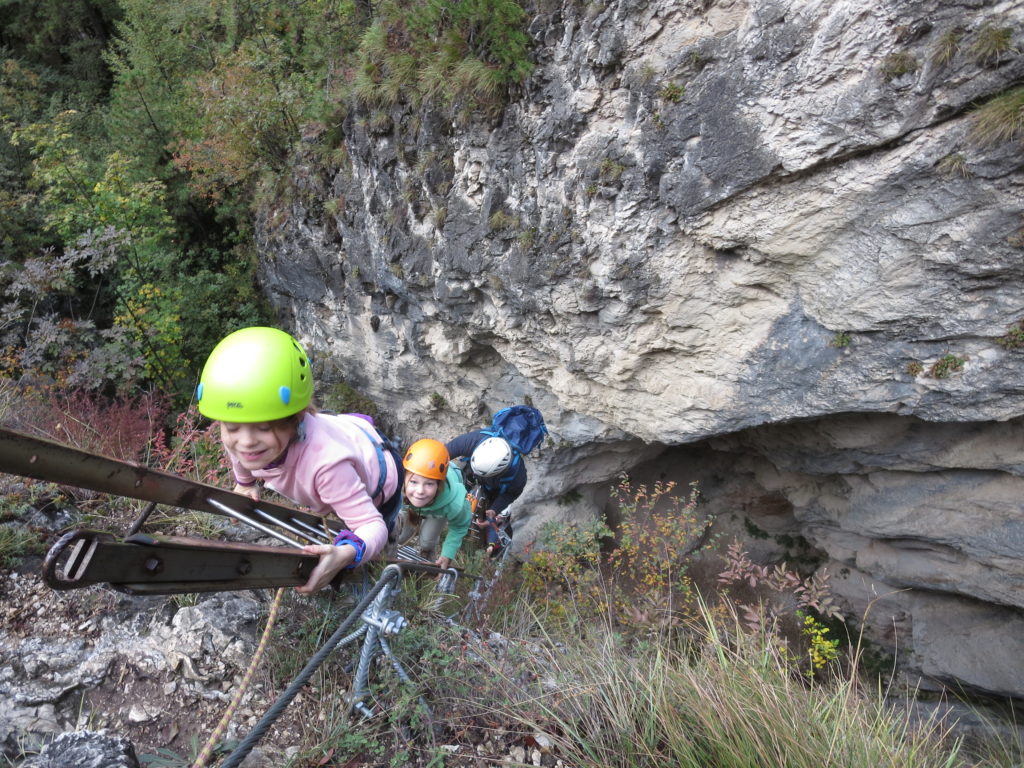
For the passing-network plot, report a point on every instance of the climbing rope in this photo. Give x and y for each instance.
(215, 737)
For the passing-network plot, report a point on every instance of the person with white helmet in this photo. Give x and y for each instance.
(258, 385)
(498, 470)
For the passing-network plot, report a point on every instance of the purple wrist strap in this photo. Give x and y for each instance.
(347, 537)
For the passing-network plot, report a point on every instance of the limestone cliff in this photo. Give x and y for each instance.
(754, 243)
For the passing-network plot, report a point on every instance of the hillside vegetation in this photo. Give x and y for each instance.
(137, 139)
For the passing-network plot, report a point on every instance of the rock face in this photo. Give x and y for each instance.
(765, 237)
(121, 664)
(85, 749)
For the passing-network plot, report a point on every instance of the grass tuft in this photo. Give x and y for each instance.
(897, 64)
(954, 164)
(992, 44)
(946, 46)
(999, 119)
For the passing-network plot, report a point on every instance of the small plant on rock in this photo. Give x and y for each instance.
(500, 221)
(991, 44)
(946, 46)
(1014, 338)
(954, 164)
(945, 366)
(898, 64)
(841, 340)
(999, 119)
(611, 170)
(18, 541)
(672, 92)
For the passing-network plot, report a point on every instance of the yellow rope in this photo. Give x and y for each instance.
(215, 737)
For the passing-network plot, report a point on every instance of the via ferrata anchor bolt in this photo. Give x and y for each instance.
(357, 705)
(387, 621)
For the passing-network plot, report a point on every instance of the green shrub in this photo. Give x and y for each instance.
(656, 537)
(672, 92)
(841, 340)
(1014, 338)
(611, 170)
(501, 221)
(443, 51)
(18, 541)
(946, 366)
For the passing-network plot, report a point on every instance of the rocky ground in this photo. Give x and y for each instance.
(160, 672)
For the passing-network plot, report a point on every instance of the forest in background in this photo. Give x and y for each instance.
(138, 141)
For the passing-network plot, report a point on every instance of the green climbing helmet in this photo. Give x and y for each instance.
(255, 374)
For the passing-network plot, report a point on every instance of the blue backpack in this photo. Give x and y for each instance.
(523, 427)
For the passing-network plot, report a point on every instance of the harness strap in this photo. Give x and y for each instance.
(387, 507)
(383, 474)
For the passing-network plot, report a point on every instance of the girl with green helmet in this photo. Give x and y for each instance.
(433, 495)
(258, 385)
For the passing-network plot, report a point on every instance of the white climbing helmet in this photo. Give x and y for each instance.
(491, 457)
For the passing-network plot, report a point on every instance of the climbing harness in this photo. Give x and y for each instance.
(389, 508)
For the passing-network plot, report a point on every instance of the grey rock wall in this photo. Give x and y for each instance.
(750, 229)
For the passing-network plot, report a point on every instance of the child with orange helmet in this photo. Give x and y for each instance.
(434, 494)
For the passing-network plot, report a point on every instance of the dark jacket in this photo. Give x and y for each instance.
(503, 489)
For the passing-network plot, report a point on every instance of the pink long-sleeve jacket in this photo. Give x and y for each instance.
(332, 467)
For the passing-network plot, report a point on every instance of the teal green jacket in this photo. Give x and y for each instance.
(451, 503)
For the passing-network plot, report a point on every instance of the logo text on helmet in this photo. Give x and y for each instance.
(232, 404)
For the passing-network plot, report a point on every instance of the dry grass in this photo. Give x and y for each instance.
(999, 119)
(946, 46)
(991, 45)
(714, 695)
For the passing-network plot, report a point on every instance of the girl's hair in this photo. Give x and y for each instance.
(294, 419)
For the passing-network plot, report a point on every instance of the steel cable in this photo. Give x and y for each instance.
(207, 750)
(390, 573)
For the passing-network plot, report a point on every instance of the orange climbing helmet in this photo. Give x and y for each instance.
(428, 458)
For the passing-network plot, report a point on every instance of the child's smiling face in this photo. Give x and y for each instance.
(420, 490)
(256, 445)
